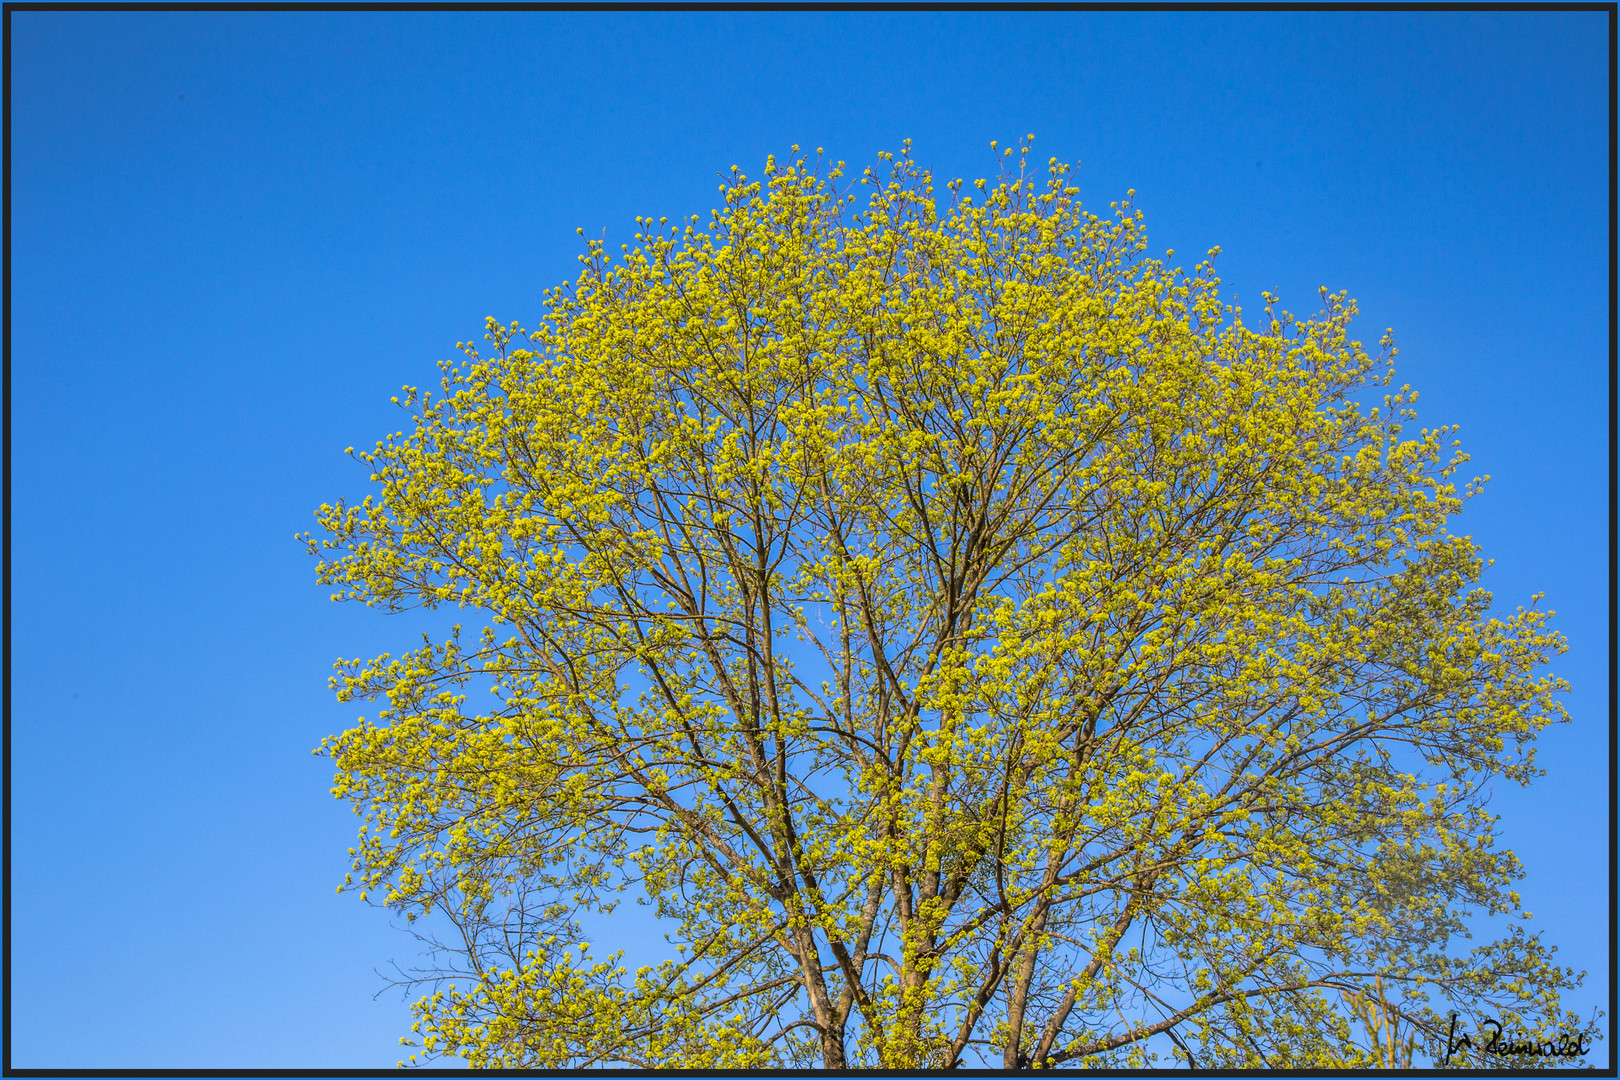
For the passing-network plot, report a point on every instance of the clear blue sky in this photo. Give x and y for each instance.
(236, 235)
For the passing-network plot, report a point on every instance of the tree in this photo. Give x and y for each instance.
(976, 643)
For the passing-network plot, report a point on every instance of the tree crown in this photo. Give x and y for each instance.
(978, 643)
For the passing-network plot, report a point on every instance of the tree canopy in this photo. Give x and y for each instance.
(976, 643)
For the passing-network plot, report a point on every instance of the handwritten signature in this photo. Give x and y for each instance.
(1566, 1045)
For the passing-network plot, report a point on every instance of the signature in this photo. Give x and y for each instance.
(1566, 1045)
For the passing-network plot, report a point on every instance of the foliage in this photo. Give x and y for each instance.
(1382, 1022)
(976, 642)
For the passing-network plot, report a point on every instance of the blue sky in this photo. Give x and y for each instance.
(234, 236)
